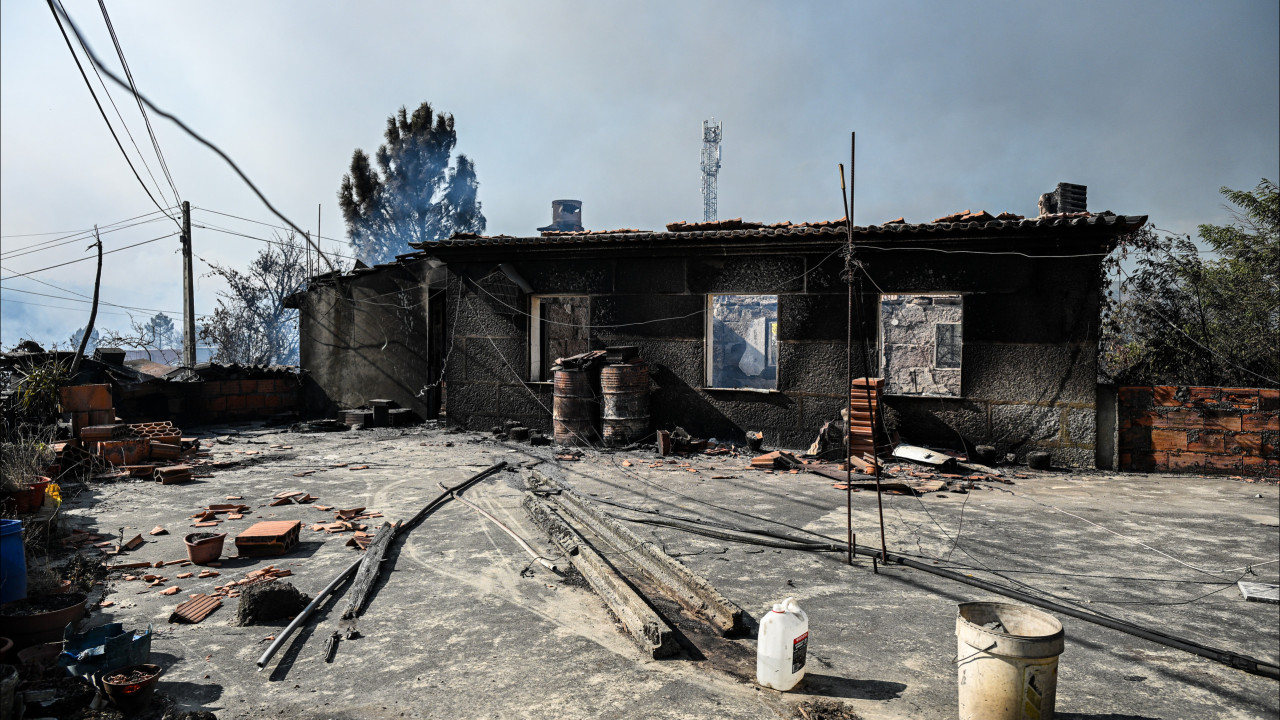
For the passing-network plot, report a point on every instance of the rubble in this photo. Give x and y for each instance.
(271, 600)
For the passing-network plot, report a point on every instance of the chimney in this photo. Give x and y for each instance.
(566, 216)
(1067, 198)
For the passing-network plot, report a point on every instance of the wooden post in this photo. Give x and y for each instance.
(188, 292)
(93, 313)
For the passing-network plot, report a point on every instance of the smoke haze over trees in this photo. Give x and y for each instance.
(251, 325)
(413, 194)
(1182, 318)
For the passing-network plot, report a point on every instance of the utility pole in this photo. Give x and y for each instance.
(93, 313)
(188, 292)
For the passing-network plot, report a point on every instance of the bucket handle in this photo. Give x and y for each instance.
(957, 659)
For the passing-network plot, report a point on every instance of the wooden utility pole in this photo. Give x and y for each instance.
(93, 313)
(188, 292)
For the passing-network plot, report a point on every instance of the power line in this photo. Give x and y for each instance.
(69, 233)
(89, 85)
(270, 225)
(69, 262)
(60, 307)
(259, 239)
(128, 132)
(155, 144)
(195, 135)
(87, 302)
(77, 239)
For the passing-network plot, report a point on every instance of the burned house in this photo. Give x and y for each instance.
(984, 327)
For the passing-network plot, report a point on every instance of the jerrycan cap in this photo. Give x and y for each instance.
(788, 605)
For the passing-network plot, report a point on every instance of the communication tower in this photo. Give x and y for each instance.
(711, 133)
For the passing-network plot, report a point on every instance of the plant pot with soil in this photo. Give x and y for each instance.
(41, 619)
(204, 548)
(131, 688)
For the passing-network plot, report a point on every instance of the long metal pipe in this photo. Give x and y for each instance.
(302, 616)
(306, 612)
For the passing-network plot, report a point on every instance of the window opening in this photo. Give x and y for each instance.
(921, 344)
(743, 342)
(560, 328)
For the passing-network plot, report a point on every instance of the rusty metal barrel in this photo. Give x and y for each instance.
(575, 411)
(625, 391)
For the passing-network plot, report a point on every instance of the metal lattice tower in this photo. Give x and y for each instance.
(711, 133)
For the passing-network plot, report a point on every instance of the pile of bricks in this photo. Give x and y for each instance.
(1200, 430)
(865, 403)
(130, 447)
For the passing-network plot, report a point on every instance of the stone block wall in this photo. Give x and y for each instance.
(1200, 430)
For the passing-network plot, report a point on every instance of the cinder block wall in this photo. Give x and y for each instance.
(1200, 430)
(1028, 372)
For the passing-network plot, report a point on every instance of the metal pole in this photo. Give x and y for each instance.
(188, 292)
(306, 612)
(848, 363)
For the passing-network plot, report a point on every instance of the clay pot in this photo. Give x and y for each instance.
(28, 630)
(130, 697)
(29, 498)
(204, 548)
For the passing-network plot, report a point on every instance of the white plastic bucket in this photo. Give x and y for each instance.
(1007, 660)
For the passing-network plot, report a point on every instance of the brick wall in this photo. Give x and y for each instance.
(211, 401)
(1200, 430)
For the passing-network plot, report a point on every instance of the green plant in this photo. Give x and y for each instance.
(37, 388)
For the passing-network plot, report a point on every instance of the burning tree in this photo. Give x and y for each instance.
(414, 194)
(251, 325)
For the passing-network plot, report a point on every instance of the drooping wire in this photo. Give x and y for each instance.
(155, 144)
(53, 8)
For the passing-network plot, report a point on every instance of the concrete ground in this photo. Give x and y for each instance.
(464, 625)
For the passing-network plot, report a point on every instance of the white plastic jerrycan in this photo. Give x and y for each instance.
(781, 646)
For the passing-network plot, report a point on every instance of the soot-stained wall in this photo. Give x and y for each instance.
(368, 336)
(1028, 375)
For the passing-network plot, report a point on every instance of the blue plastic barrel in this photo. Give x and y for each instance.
(13, 562)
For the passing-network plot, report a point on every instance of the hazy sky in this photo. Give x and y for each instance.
(1153, 105)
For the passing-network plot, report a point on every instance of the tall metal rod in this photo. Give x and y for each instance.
(856, 267)
(848, 363)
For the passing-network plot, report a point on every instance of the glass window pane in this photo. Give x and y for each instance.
(744, 341)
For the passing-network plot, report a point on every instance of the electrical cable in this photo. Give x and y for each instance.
(86, 232)
(81, 238)
(88, 302)
(89, 85)
(91, 257)
(155, 144)
(185, 128)
(270, 225)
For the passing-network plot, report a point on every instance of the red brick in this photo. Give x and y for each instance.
(1186, 462)
(1258, 422)
(1269, 399)
(256, 400)
(1201, 394)
(1221, 420)
(1223, 464)
(235, 402)
(1134, 397)
(218, 403)
(1135, 438)
(1163, 396)
(1206, 441)
(1243, 444)
(1255, 466)
(272, 400)
(1168, 440)
(1273, 468)
(1177, 419)
(1139, 461)
(83, 398)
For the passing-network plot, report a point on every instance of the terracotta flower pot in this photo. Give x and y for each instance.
(27, 629)
(30, 497)
(204, 548)
(135, 693)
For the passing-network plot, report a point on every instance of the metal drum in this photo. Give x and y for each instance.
(625, 390)
(575, 409)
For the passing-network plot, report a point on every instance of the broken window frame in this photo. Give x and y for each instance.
(878, 360)
(536, 361)
(958, 338)
(771, 344)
